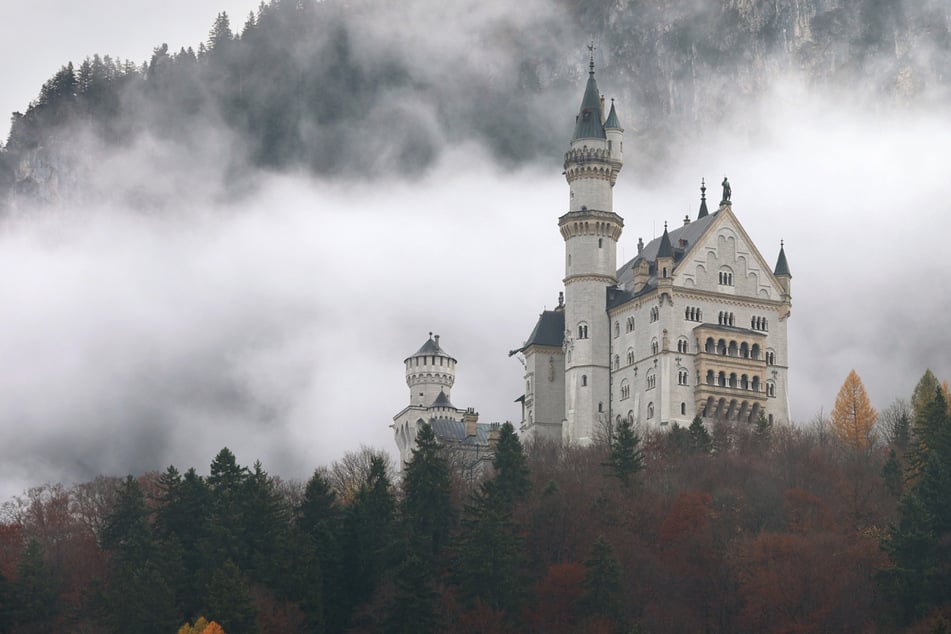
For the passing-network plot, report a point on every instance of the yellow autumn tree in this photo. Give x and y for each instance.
(201, 626)
(853, 417)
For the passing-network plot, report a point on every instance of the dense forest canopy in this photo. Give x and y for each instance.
(334, 88)
(719, 527)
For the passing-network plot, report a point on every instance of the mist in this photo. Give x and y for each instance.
(209, 303)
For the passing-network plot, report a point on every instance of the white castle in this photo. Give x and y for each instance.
(694, 325)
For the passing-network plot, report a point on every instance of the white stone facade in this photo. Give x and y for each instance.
(695, 324)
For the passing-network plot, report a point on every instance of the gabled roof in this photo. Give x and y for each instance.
(549, 331)
(688, 234)
(588, 122)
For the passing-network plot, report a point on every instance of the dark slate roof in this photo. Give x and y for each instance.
(431, 347)
(703, 213)
(612, 120)
(442, 401)
(691, 233)
(665, 250)
(588, 122)
(782, 267)
(549, 331)
(454, 431)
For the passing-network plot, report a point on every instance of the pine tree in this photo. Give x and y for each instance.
(625, 457)
(318, 520)
(510, 482)
(415, 608)
(700, 440)
(427, 497)
(892, 474)
(229, 600)
(853, 417)
(923, 393)
(36, 589)
(604, 588)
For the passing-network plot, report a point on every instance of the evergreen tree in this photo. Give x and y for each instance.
(892, 474)
(923, 393)
(7, 605)
(318, 520)
(229, 600)
(415, 609)
(625, 457)
(220, 35)
(265, 523)
(932, 433)
(367, 549)
(226, 535)
(510, 481)
(35, 590)
(427, 497)
(603, 583)
(699, 437)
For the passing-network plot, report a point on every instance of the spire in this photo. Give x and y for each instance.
(665, 250)
(703, 200)
(612, 121)
(782, 267)
(588, 122)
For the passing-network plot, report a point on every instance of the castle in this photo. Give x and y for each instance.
(694, 324)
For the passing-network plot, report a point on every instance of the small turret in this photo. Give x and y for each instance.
(430, 374)
(615, 135)
(782, 271)
(665, 256)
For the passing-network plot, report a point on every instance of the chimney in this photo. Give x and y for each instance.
(437, 340)
(470, 418)
(686, 220)
(494, 433)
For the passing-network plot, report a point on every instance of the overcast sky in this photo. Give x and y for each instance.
(277, 324)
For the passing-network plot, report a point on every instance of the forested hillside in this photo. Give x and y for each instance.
(360, 89)
(731, 528)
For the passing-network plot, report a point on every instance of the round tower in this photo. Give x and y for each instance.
(591, 230)
(429, 373)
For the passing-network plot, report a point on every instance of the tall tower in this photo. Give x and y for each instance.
(591, 230)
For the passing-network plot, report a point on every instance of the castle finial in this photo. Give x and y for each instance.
(591, 48)
(703, 200)
(703, 189)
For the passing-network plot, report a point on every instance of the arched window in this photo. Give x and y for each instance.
(710, 346)
(711, 379)
(682, 377)
(745, 382)
(683, 409)
(754, 352)
(630, 356)
(625, 389)
(584, 380)
(721, 347)
(629, 325)
(770, 357)
(655, 314)
(726, 277)
(617, 329)
(733, 379)
(682, 345)
(721, 379)
(654, 346)
(745, 350)
(617, 362)
(651, 380)
(582, 331)
(770, 388)
(755, 384)
(650, 410)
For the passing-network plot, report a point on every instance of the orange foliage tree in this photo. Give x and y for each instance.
(853, 417)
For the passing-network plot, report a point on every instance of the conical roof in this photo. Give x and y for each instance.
(666, 249)
(782, 267)
(612, 121)
(588, 122)
(703, 200)
(431, 347)
(441, 400)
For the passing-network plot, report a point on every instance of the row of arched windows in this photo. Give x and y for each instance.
(759, 323)
(726, 318)
(743, 382)
(682, 377)
(682, 345)
(726, 278)
(625, 390)
(582, 331)
(629, 325)
(655, 314)
(651, 381)
(731, 349)
(692, 313)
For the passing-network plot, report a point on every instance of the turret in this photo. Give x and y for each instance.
(703, 213)
(591, 230)
(665, 258)
(430, 373)
(782, 272)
